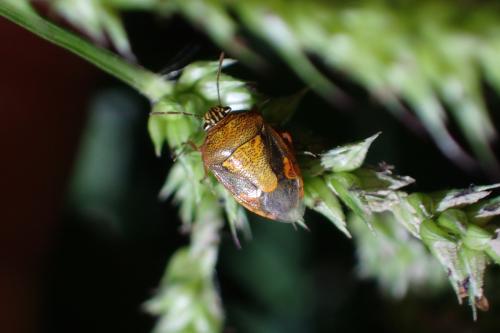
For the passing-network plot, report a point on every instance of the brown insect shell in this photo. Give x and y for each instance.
(228, 134)
(282, 198)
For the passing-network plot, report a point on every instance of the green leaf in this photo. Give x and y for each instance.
(445, 249)
(485, 210)
(83, 14)
(407, 265)
(479, 239)
(21, 5)
(348, 157)
(383, 179)
(410, 78)
(382, 200)
(115, 30)
(459, 85)
(215, 20)
(411, 211)
(474, 264)
(157, 129)
(187, 300)
(456, 198)
(476, 238)
(493, 249)
(319, 197)
(199, 70)
(176, 129)
(454, 221)
(199, 79)
(344, 185)
(97, 20)
(273, 28)
(184, 182)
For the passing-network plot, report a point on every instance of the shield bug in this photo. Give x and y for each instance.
(252, 161)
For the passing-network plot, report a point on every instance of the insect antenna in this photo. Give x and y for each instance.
(180, 60)
(156, 113)
(221, 59)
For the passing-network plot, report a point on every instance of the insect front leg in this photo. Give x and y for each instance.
(309, 153)
(184, 149)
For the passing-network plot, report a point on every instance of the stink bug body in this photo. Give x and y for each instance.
(253, 162)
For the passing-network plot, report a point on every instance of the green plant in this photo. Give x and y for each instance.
(365, 203)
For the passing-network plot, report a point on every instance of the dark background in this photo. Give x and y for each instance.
(81, 254)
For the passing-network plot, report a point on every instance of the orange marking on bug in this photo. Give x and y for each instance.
(250, 161)
(288, 169)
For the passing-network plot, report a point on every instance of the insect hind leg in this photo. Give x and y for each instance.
(287, 138)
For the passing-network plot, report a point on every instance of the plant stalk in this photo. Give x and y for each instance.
(147, 83)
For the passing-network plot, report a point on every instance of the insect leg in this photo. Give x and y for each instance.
(308, 153)
(288, 138)
(183, 149)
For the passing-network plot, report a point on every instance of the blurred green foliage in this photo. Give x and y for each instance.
(433, 58)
